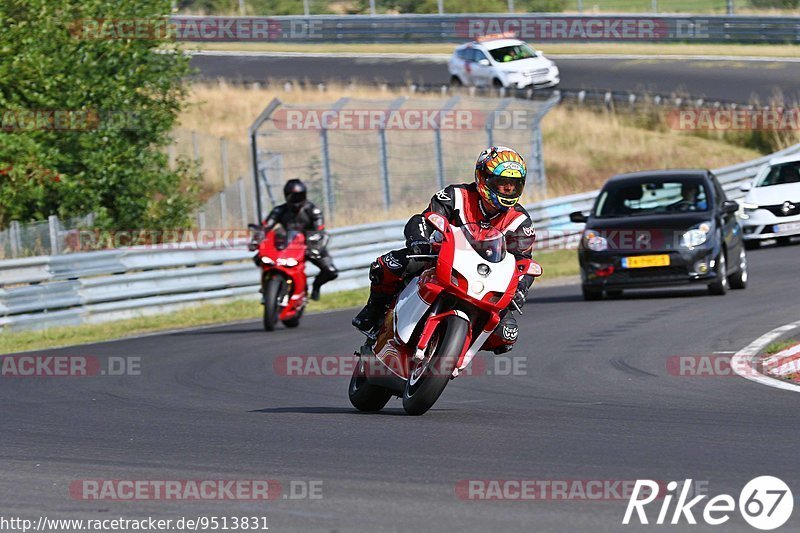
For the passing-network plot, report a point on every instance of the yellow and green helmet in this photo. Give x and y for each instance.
(500, 177)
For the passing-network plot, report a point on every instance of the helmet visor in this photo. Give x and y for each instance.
(507, 187)
(296, 197)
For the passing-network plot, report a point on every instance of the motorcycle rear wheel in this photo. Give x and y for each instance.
(429, 378)
(363, 395)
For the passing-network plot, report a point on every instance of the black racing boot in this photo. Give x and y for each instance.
(372, 314)
(315, 291)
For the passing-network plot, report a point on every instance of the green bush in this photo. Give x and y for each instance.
(119, 99)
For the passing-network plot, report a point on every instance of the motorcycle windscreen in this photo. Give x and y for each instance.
(488, 242)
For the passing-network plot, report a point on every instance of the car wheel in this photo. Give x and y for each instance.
(591, 294)
(497, 84)
(720, 285)
(752, 244)
(739, 279)
(455, 81)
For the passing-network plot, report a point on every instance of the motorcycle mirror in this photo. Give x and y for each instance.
(254, 227)
(535, 269)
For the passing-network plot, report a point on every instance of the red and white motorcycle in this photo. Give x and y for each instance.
(440, 320)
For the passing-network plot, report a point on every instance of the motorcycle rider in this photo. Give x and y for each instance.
(298, 214)
(491, 200)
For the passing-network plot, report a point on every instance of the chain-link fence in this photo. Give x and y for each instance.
(368, 160)
(50, 237)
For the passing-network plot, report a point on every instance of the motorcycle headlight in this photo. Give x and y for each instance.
(288, 262)
(595, 242)
(267, 261)
(696, 236)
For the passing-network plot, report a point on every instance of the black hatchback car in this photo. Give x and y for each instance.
(661, 228)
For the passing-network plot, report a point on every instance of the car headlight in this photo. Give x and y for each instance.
(696, 236)
(595, 242)
(749, 209)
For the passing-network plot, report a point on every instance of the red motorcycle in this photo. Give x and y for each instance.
(282, 257)
(440, 320)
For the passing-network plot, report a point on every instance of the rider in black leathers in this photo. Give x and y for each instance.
(298, 214)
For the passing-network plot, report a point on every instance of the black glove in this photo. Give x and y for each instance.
(520, 298)
(420, 248)
(257, 260)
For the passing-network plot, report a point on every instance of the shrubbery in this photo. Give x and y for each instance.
(114, 103)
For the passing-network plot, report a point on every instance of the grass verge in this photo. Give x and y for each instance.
(556, 264)
(666, 49)
(779, 346)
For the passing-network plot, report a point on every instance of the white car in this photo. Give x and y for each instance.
(772, 204)
(501, 62)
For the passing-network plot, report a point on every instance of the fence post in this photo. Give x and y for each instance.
(441, 7)
(13, 236)
(327, 189)
(387, 193)
(537, 154)
(201, 219)
(655, 6)
(491, 118)
(580, 6)
(223, 154)
(223, 212)
(510, 6)
(437, 137)
(242, 202)
(731, 9)
(242, 8)
(52, 222)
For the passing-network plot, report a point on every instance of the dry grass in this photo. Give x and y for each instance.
(582, 147)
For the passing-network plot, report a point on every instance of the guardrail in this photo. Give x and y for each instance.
(50, 291)
(539, 27)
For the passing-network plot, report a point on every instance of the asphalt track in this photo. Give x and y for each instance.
(595, 402)
(731, 80)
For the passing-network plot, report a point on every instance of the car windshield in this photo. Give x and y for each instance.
(626, 199)
(488, 242)
(512, 53)
(781, 175)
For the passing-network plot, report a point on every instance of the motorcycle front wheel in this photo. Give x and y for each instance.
(429, 378)
(272, 293)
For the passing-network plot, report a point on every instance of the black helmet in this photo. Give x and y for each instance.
(295, 193)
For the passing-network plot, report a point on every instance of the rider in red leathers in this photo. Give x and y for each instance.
(492, 200)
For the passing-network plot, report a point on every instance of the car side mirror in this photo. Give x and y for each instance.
(484, 62)
(729, 206)
(745, 187)
(578, 217)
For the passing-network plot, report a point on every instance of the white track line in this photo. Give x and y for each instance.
(742, 362)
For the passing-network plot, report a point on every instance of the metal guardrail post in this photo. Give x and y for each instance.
(52, 223)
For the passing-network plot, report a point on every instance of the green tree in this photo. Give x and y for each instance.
(120, 97)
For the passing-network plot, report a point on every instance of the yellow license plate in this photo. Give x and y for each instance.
(645, 261)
